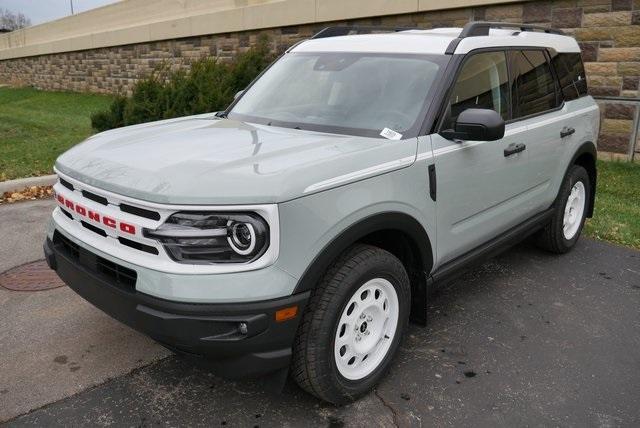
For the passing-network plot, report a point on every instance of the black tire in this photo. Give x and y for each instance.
(552, 237)
(314, 367)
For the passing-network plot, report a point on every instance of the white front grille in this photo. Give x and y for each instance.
(96, 217)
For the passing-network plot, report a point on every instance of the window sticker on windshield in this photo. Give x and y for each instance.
(391, 134)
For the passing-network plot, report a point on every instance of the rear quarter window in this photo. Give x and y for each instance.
(571, 75)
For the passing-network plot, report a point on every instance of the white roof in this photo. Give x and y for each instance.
(436, 41)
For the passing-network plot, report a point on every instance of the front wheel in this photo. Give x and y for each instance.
(564, 229)
(353, 325)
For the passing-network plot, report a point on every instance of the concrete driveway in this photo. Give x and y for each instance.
(527, 339)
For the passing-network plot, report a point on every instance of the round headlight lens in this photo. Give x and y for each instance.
(242, 238)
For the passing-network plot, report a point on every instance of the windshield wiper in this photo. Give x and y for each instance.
(221, 114)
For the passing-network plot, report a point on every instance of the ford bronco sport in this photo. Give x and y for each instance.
(301, 228)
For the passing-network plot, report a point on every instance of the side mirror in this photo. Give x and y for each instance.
(238, 94)
(476, 124)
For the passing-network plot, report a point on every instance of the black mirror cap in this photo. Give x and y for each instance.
(477, 124)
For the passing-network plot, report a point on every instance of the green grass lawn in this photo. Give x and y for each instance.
(36, 126)
(617, 213)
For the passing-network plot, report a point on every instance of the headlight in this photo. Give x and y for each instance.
(204, 237)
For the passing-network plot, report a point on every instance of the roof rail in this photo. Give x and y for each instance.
(345, 30)
(480, 28)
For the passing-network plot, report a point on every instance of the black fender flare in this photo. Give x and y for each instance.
(378, 222)
(589, 148)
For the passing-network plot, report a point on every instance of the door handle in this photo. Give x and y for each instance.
(566, 132)
(514, 148)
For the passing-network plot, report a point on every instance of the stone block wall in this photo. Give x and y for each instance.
(608, 32)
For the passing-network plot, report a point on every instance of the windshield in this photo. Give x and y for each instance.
(346, 93)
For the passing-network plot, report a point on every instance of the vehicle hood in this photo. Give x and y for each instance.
(206, 160)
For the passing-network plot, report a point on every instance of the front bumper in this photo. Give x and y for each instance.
(209, 331)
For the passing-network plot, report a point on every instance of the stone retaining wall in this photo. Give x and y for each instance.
(608, 32)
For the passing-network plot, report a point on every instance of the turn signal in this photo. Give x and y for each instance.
(286, 313)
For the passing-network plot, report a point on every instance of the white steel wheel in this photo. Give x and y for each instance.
(353, 325)
(574, 210)
(366, 329)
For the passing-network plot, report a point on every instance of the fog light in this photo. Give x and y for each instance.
(243, 328)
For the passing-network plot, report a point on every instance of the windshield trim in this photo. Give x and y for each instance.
(440, 60)
(303, 126)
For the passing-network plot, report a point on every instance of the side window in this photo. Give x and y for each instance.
(570, 71)
(534, 88)
(483, 82)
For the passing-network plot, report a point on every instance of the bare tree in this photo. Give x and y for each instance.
(12, 21)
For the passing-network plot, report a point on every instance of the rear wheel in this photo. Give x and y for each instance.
(353, 325)
(565, 227)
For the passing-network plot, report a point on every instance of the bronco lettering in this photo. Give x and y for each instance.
(97, 217)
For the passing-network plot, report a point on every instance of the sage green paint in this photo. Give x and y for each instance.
(203, 160)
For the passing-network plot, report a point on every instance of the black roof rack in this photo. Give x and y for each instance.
(345, 30)
(480, 28)
(471, 29)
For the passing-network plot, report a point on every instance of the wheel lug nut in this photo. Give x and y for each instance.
(369, 318)
(366, 333)
(362, 316)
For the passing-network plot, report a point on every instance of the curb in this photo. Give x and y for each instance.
(23, 183)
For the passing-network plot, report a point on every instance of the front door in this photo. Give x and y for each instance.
(481, 184)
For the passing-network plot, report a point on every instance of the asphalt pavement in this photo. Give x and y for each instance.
(528, 339)
(54, 344)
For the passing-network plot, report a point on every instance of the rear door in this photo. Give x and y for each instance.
(538, 109)
(480, 186)
(579, 114)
